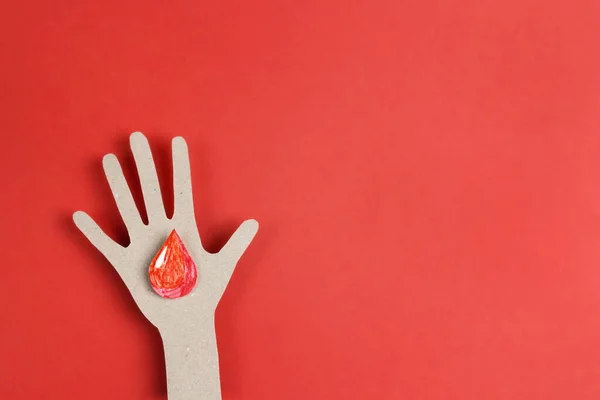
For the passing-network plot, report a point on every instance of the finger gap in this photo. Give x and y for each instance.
(213, 239)
(212, 230)
(131, 176)
(101, 210)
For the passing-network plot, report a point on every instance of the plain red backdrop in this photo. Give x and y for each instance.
(426, 175)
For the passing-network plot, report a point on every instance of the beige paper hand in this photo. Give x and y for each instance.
(186, 324)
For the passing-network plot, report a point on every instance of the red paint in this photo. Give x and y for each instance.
(172, 272)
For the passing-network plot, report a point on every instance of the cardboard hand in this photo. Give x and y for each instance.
(186, 324)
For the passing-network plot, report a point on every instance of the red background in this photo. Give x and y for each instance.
(426, 175)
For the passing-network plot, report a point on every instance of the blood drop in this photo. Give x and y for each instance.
(172, 272)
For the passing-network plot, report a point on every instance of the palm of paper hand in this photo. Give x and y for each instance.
(132, 262)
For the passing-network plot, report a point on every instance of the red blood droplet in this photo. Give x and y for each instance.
(172, 272)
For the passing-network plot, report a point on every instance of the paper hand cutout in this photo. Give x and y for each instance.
(186, 324)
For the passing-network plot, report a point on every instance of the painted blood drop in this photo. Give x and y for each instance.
(172, 272)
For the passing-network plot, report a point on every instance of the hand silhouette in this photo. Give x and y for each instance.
(186, 324)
